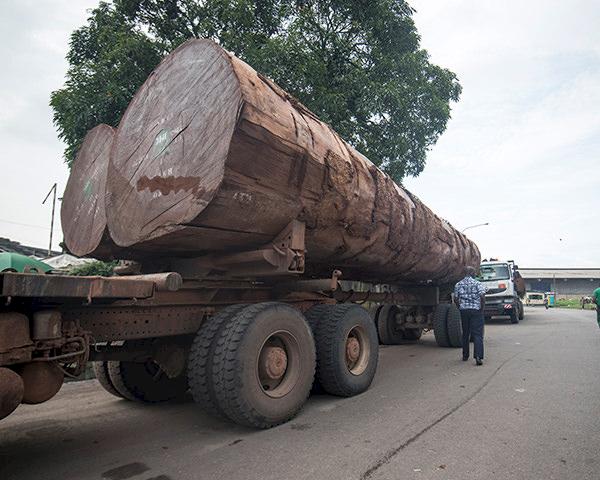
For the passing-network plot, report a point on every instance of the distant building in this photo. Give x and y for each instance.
(566, 282)
(10, 246)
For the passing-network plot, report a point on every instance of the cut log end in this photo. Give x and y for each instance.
(83, 214)
(171, 145)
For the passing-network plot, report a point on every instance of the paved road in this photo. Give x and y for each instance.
(531, 412)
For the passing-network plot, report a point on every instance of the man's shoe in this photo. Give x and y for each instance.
(465, 358)
(478, 361)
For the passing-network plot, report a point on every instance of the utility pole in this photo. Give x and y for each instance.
(52, 190)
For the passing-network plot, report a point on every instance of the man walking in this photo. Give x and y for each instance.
(469, 296)
(596, 300)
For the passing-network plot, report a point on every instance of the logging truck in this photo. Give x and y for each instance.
(254, 239)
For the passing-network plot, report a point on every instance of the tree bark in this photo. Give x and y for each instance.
(212, 156)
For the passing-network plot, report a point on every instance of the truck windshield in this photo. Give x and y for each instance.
(493, 272)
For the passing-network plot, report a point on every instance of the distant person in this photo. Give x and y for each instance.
(546, 302)
(596, 300)
(469, 296)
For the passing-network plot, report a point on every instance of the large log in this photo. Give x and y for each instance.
(212, 156)
(82, 213)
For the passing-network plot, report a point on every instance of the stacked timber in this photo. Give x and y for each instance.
(83, 213)
(211, 156)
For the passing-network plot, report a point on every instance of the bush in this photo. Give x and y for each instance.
(103, 269)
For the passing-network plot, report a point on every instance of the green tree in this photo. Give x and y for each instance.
(109, 58)
(356, 63)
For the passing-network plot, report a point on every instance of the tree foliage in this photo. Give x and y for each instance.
(356, 63)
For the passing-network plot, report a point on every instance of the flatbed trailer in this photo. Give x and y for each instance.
(248, 350)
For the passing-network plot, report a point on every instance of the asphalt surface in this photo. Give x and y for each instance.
(530, 412)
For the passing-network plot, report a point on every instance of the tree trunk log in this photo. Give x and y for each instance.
(212, 156)
(82, 213)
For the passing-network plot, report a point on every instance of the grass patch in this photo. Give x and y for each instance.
(572, 303)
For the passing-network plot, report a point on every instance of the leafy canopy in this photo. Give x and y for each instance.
(356, 63)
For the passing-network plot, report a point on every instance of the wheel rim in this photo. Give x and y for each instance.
(278, 364)
(357, 350)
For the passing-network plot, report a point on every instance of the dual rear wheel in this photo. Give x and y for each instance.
(255, 365)
(388, 329)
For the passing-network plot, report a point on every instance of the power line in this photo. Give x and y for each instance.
(23, 224)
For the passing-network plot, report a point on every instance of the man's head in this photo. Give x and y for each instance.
(470, 271)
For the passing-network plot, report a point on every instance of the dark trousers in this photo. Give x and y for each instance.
(472, 325)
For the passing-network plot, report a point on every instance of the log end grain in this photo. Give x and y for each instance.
(169, 153)
(83, 214)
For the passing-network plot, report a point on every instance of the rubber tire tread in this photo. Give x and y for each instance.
(101, 372)
(200, 360)
(328, 367)
(315, 313)
(386, 337)
(226, 383)
(454, 326)
(521, 311)
(440, 325)
(313, 316)
(514, 319)
(117, 375)
(116, 378)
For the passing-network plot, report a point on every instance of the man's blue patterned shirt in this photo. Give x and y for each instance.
(468, 291)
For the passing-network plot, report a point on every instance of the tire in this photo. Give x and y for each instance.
(340, 325)
(200, 361)
(145, 382)
(388, 332)
(101, 372)
(514, 317)
(454, 326)
(521, 311)
(413, 334)
(440, 327)
(315, 313)
(240, 388)
(313, 317)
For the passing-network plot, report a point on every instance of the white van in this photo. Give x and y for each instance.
(534, 298)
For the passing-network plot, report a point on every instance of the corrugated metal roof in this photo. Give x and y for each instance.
(591, 273)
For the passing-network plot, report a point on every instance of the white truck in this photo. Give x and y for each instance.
(505, 289)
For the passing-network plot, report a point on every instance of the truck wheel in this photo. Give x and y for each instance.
(101, 372)
(454, 325)
(521, 311)
(264, 365)
(200, 361)
(413, 333)
(387, 329)
(514, 318)
(440, 326)
(146, 382)
(313, 316)
(347, 350)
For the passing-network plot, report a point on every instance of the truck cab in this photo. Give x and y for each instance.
(505, 288)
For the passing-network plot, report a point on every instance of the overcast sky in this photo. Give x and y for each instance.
(522, 150)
